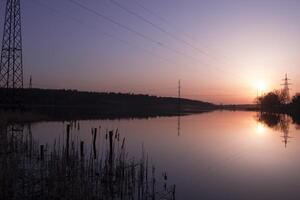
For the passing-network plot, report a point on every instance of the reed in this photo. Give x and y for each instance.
(30, 170)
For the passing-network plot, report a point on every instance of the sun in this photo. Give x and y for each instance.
(261, 86)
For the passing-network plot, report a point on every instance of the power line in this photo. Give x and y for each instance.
(114, 21)
(109, 35)
(159, 43)
(170, 34)
(224, 60)
(161, 18)
(66, 16)
(113, 36)
(141, 34)
(174, 36)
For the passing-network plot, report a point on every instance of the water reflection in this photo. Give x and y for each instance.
(278, 122)
(219, 155)
(178, 124)
(260, 128)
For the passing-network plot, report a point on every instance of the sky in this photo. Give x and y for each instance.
(221, 50)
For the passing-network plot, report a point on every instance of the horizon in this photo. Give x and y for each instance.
(222, 51)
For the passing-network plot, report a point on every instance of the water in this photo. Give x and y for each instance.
(217, 155)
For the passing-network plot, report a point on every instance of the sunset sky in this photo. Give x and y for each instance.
(222, 50)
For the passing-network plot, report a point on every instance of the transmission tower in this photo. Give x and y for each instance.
(179, 107)
(11, 64)
(286, 89)
(179, 89)
(179, 96)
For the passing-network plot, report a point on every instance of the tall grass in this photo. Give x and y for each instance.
(71, 169)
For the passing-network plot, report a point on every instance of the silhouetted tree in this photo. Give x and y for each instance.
(296, 99)
(296, 102)
(271, 100)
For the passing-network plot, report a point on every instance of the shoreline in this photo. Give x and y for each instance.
(73, 114)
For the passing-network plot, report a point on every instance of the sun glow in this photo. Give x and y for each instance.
(261, 86)
(260, 129)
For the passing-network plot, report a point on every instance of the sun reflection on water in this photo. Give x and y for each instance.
(260, 128)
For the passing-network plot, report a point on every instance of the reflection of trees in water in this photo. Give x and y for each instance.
(296, 120)
(278, 122)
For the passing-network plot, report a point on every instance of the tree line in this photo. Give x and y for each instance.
(73, 104)
(279, 101)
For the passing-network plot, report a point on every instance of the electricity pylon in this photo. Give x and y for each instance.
(286, 90)
(179, 108)
(11, 64)
(179, 96)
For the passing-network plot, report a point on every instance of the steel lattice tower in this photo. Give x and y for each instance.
(286, 89)
(11, 66)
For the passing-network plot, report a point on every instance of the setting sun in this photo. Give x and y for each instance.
(261, 86)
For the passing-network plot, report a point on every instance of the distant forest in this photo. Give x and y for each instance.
(88, 104)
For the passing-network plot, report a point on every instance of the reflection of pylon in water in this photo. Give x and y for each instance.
(284, 126)
(15, 129)
(286, 89)
(15, 134)
(178, 125)
(285, 138)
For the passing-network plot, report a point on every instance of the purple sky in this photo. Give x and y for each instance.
(220, 49)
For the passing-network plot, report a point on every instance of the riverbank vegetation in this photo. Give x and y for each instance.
(277, 101)
(71, 169)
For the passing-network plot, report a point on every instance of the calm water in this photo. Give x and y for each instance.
(217, 155)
